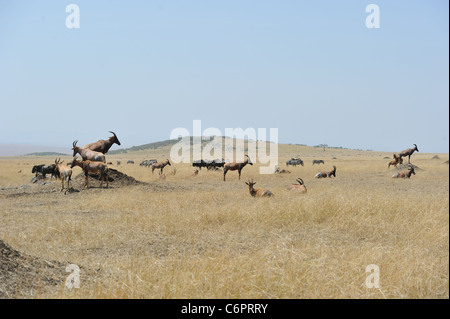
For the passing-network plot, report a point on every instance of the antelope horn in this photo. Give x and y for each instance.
(113, 133)
(74, 143)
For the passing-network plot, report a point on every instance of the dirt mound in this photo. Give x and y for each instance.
(22, 276)
(115, 177)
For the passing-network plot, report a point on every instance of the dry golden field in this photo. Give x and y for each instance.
(199, 237)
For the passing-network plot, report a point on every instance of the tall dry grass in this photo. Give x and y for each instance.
(198, 237)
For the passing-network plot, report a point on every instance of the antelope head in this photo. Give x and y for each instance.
(114, 138)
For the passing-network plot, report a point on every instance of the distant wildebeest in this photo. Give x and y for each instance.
(294, 162)
(37, 169)
(46, 169)
(408, 153)
(98, 168)
(65, 173)
(300, 187)
(397, 160)
(257, 192)
(210, 165)
(160, 166)
(233, 166)
(405, 174)
(318, 162)
(326, 174)
(130, 162)
(148, 163)
(88, 154)
(103, 146)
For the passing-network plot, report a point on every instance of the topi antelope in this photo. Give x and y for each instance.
(405, 174)
(300, 187)
(326, 174)
(257, 192)
(88, 154)
(282, 171)
(397, 160)
(65, 173)
(408, 153)
(160, 165)
(98, 168)
(236, 166)
(103, 146)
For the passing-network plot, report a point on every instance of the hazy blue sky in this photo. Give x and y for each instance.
(312, 69)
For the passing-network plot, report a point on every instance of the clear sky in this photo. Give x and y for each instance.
(312, 69)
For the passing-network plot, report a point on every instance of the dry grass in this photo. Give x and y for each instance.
(198, 237)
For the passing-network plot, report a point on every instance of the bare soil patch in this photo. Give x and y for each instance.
(22, 276)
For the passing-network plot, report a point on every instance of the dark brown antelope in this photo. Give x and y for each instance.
(327, 174)
(396, 161)
(405, 174)
(103, 146)
(87, 154)
(300, 187)
(65, 173)
(236, 166)
(257, 192)
(97, 168)
(409, 152)
(160, 165)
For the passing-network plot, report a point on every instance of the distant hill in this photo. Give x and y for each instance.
(46, 154)
(155, 145)
(143, 147)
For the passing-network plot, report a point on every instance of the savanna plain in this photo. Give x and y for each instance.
(189, 236)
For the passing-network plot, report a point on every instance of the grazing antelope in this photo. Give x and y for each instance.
(408, 153)
(326, 174)
(236, 166)
(65, 173)
(405, 174)
(103, 146)
(88, 154)
(98, 168)
(300, 187)
(160, 165)
(257, 192)
(397, 160)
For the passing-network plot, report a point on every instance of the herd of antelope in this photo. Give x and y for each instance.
(93, 161)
